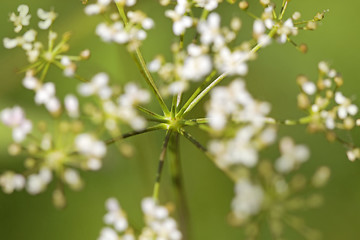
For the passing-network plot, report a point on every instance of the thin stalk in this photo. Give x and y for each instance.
(252, 15)
(141, 64)
(150, 113)
(156, 190)
(196, 122)
(173, 106)
(178, 185)
(260, 45)
(151, 82)
(31, 66)
(269, 120)
(157, 120)
(204, 93)
(206, 152)
(45, 71)
(222, 76)
(283, 9)
(76, 76)
(204, 15)
(134, 133)
(197, 91)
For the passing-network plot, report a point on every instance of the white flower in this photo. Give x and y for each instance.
(309, 88)
(233, 63)
(248, 199)
(31, 82)
(155, 65)
(23, 19)
(207, 4)
(108, 234)
(210, 32)
(158, 222)
(239, 150)
(46, 95)
(92, 149)
(72, 178)
(97, 86)
(15, 119)
(291, 155)
(97, 8)
(181, 22)
(72, 105)
(323, 67)
(133, 95)
(139, 18)
(177, 87)
(46, 17)
(196, 65)
(10, 181)
(258, 27)
(25, 41)
(115, 32)
(345, 107)
(70, 67)
(36, 183)
(286, 30)
(128, 3)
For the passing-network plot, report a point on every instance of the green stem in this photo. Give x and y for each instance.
(44, 72)
(206, 152)
(283, 8)
(141, 64)
(151, 82)
(204, 93)
(150, 113)
(204, 14)
(197, 91)
(178, 185)
(252, 15)
(156, 190)
(31, 66)
(134, 133)
(76, 76)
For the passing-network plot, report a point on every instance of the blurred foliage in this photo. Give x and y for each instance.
(209, 192)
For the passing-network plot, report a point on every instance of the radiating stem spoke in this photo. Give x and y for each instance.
(206, 152)
(141, 64)
(156, 190)
(134, 133)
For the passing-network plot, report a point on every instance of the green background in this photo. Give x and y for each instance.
(271, 78)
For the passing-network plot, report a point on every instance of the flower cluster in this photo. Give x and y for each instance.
(116, 218)
(15, 118)
(50, 152)
(116, 106)
(129, 28)
(241, 120)
(328, 109)
(196, 61)
(270, 194)
(158, 223)
(40, 57)
(238, 124)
